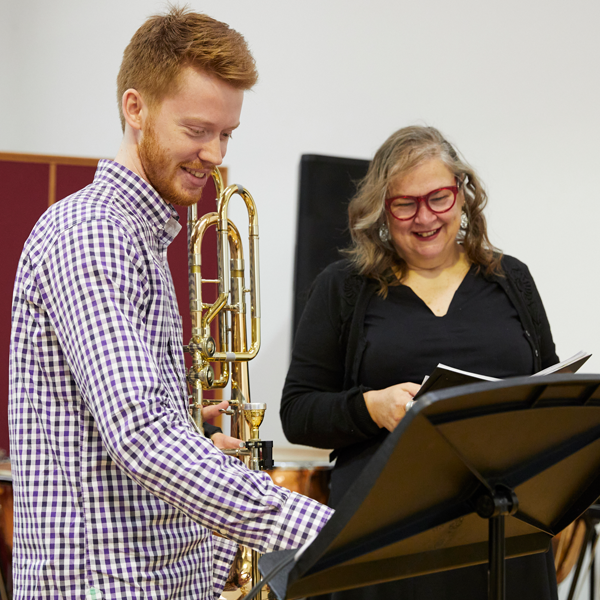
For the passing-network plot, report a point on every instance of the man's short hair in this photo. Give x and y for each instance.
(165, 44)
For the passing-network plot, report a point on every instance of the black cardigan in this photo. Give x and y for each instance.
(322, 405)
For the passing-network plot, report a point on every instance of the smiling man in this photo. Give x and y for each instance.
(116, 494)
(175, 144)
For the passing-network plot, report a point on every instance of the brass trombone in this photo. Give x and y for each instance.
(234, 352)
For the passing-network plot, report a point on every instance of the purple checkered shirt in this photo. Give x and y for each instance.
(115, 494)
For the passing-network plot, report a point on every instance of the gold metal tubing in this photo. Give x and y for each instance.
(235, 241)
(228, 235)
(223, 233)
(196, 237)
(213, 311)
(201, 320)
(216, 175)
(199, 230)
(242, 356)
(196, 250)
(222, 208)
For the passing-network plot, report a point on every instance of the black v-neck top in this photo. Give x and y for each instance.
(481, 333)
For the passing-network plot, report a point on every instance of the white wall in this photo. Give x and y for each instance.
(514, 84)
(5, 72)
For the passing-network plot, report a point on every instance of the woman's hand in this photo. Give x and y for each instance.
(387, 406)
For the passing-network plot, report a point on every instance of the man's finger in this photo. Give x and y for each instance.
(223, 441)
(210, 412)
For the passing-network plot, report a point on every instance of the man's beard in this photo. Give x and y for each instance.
(161, 172)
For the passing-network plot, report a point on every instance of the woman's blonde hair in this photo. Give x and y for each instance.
(403, 151)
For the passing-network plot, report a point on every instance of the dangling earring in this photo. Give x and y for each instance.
(384, 233)
(464, 221)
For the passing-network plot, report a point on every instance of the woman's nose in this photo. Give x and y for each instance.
(424, 214)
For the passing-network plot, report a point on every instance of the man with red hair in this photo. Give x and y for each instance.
(116, 494)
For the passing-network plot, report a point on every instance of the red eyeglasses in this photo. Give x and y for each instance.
(404, 208)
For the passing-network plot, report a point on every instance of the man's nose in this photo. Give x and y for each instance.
(211, 152)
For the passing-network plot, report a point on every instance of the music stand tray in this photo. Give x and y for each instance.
(495, 450)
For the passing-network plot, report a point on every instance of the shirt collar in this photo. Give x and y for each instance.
(161, 216)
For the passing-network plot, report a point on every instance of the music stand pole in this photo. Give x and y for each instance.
(495, 505)
(496, 571)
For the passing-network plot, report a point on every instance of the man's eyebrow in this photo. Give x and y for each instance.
(203, 123)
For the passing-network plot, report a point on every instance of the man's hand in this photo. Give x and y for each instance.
(213, 411)
(220, 440)
(226, 442)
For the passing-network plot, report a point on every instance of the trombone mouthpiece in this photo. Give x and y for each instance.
(254, 413)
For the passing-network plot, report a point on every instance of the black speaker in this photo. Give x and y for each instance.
(327, 183)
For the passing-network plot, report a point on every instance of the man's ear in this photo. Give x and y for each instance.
(134, 108)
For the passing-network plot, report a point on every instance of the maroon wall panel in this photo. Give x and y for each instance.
(71, 178)
(23, 198)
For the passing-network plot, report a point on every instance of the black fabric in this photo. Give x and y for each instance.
(327, 183)
(405, 340)
(210, 430)
(323, 404)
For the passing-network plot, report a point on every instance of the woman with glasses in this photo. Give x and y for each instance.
(421, 285)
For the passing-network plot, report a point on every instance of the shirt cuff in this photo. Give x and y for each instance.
(299, 519)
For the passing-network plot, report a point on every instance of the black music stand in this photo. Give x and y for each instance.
(493, 449)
